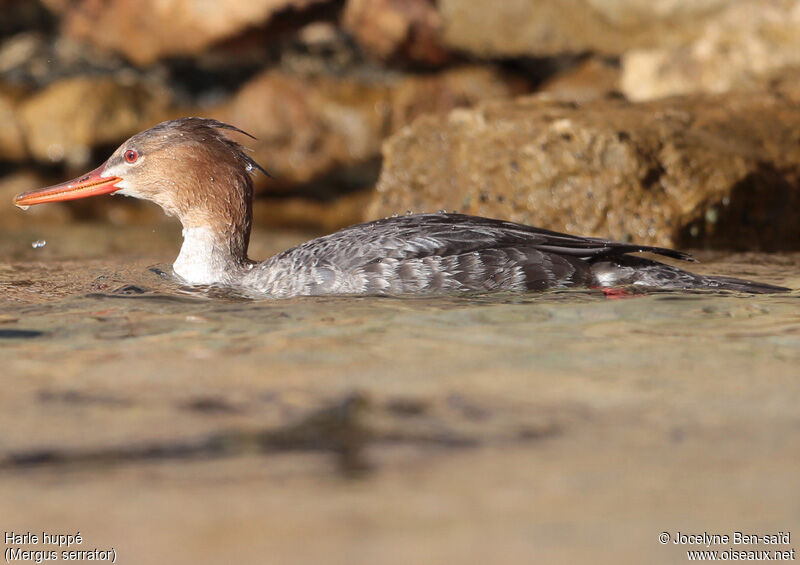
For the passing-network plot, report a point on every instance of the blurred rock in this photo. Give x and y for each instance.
(304, 213)
(66, 120)
(396, 29)
(18, 15)
(589, 80)
(438, 94)
(323, 48)
(736, 49)
(12, 217)
(308, 127)
(12, 145)
(520, 28)
(18, 50)
(146, 30)
(717, 171)
(32, 59)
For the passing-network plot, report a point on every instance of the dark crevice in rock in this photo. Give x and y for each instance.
(652, 178)
(24, 15)
(51, 58)
(760, 213)
(537, 70)
(7, 167)
(224, 67)
(330, 186)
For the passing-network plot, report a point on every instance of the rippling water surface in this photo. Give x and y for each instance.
(77, 305)
(540, 405)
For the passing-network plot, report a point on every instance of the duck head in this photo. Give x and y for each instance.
(195, 173)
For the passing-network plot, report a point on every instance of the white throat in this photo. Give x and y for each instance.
(201, 261)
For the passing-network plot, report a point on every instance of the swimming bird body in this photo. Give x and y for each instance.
(196, 173)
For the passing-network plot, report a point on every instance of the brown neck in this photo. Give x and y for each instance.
(216, 228)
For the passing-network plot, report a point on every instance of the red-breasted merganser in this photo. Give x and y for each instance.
(195, 172)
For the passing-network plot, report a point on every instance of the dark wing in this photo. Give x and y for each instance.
(448, 253)
(426, 235)
(435, 253)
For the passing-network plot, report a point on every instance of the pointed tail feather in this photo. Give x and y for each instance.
(741, 285)
(641, 272)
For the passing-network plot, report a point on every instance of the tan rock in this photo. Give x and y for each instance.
(736, 49)
(309, 126)
(389, 29)
(18, 50)
(306, 126)
(514, 28)
(146, 30)
(12, 144)
(685, 172)
(67, 119)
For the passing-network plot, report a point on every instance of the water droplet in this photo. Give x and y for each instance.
(395, 215)
(249, 168)
(442, 211)
(39, 243)
(22, 207)
(409, 212)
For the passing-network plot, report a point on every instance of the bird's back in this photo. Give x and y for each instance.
(435, 253)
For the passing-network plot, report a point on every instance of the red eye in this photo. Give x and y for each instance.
(131, 155)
